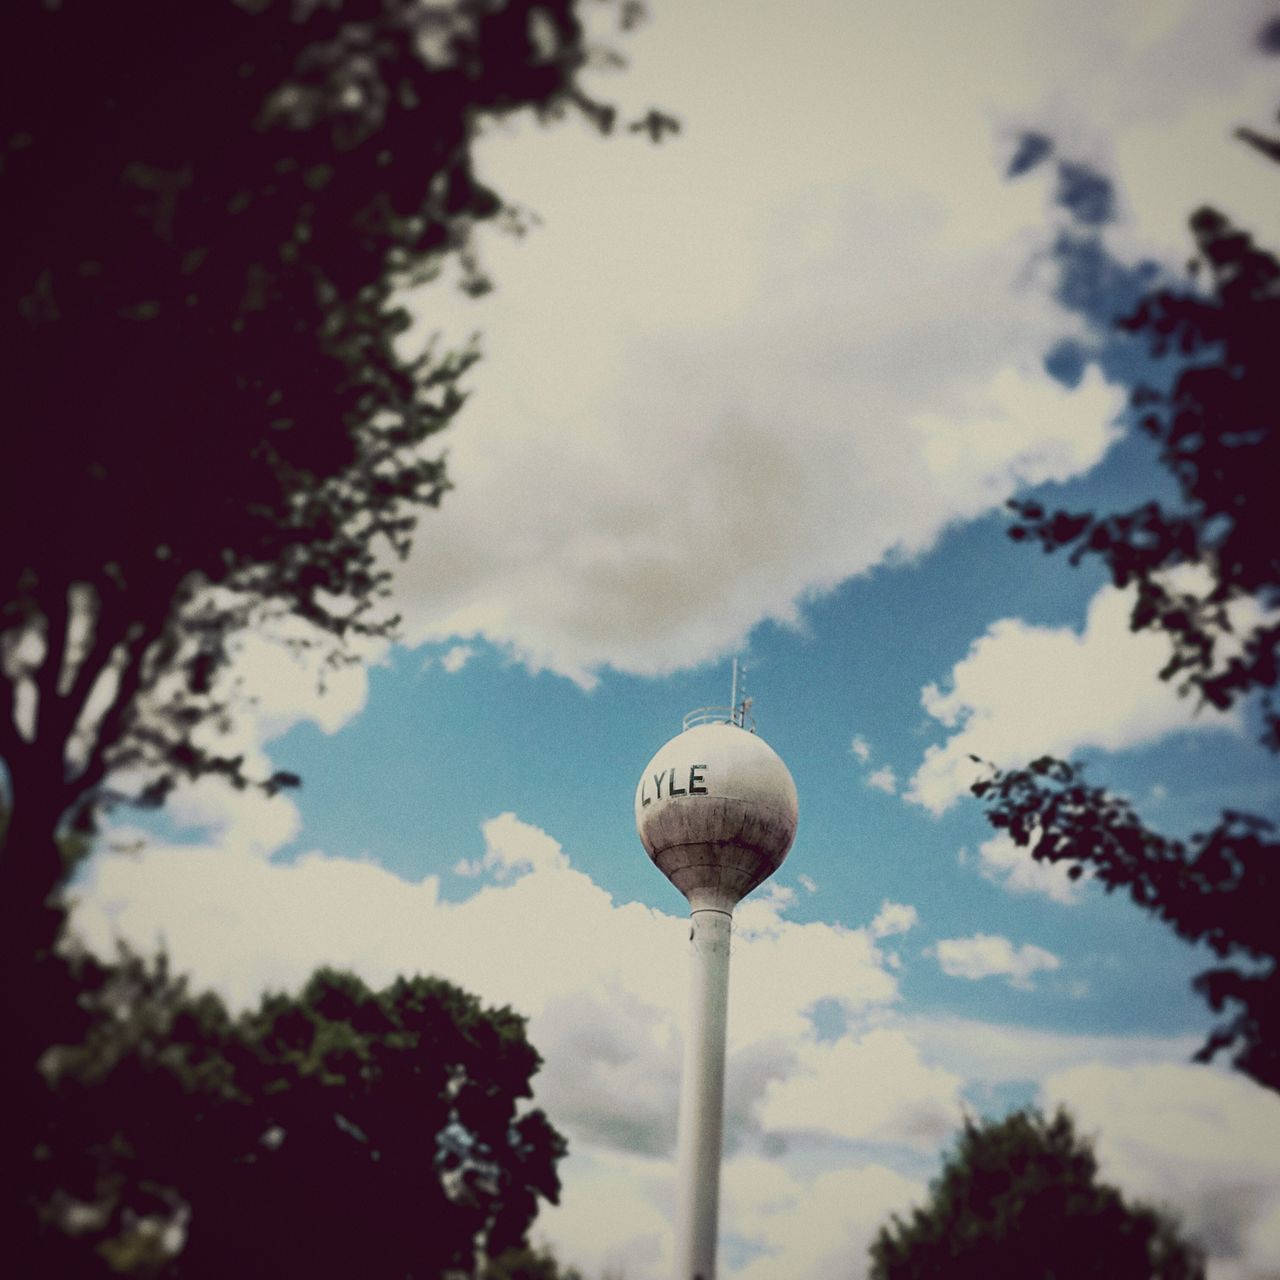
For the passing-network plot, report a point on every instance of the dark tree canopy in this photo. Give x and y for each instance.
(211, 422)
(1220, 887)
(1021, 1197)
(341, 1132)
(1217, 425)
(208, 419)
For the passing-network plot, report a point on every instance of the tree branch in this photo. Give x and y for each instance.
(57, 624)
(108, 732)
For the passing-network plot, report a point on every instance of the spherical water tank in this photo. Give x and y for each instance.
(716, 810)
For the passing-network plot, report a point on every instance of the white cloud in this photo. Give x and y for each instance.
(616, 1212)
(614, 1216)
(1011, 865)
(276, 677)
(884, 779)
(514, 846)
(994, 1054)
(1155, 92)
(894, 918)
(1024, 691)
(810, 1227)
(281, 677)
(987, 955)
(778, 355)
(457, 657)
(788, 967)
(1201, 1140)
(606, 996)
(817, 350)
(606, 1001)
(873, 1088)
(861, 748)
(247, 820)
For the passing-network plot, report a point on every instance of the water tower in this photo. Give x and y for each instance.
(716, 810)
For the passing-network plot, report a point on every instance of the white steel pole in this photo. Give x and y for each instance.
(701, 1126)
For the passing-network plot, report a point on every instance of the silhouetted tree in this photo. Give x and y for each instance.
(529, 1264)
(1021, 1197)
(340, 1132)
(1206, 573)
(208, 420)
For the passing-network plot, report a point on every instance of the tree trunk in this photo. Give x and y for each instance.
(31, 869)
(33, 1005)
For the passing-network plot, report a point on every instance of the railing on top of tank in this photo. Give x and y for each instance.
(721, 715)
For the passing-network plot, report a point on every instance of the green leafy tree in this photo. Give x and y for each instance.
(1021, 1197)
(1205, 572)
(343, 1131)
(209, 421)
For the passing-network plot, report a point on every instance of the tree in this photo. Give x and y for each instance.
(1207, 574)
(1020, 1197)
(209, 419)
(339, 1132)
(529, 1264)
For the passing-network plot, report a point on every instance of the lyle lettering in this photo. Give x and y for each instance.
(697, 784)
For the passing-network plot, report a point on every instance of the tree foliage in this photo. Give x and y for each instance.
(339, 1132)
(529, 1264)
(212, 422)
(1216, 430)
(1021, 1197)
(210, 419)
(1220, 887)
(1207, 574)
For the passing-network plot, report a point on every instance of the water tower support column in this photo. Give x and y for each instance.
(716, 810)
(701, 1126)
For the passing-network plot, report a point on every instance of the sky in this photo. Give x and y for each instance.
(763, 391)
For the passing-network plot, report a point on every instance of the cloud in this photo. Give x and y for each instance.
(457, 657)
(810, 1227)
(894, 918)
(817, 348)
(276, 677)
(249, 820)
(514, 846)
(873, 1088)
(818, 351)
(606, 997)
(824, 1136)
(1201, 1140)
(614, 1215)
(987, 955)
(995, 1054)
(1023, 691)
(280, 676)
(616, 1211)
(884, 779)
(1011, 865)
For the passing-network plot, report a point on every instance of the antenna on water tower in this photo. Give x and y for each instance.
(716, 810)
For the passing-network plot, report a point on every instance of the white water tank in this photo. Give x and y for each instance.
(716, 810)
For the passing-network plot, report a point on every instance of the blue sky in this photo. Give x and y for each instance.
(765, 391)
